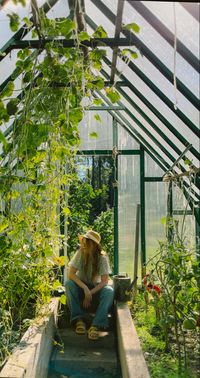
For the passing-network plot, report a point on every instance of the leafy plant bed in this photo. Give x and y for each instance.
(163, 361)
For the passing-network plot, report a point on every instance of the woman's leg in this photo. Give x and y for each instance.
(106, 296)
(74, 297)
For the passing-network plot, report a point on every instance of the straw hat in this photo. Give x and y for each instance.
(93, 235)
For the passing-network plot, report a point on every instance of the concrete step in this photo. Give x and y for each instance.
(69, 338)
(84, 358)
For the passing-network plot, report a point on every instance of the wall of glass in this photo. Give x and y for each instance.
(129, 197)
(184, 216)
(156, 211)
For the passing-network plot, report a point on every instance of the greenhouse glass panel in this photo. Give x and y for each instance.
(177, 124)
(161, 48)
(156, 211)
(151, 168)
(183, 214)
(92, 10)
(129, 197)
(96, 133)
(163, 84)
(188, 35)
(125, 140)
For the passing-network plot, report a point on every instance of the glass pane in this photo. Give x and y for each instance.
(129, 197)
(186, 223)
(96, 134)
(162, 49)
(152, 169)
(99, 18)
(188, 35)
(125, 140)
(156, 209)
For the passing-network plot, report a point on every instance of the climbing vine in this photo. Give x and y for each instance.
(36, 165)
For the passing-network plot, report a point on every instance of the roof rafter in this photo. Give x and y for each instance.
(117, 34)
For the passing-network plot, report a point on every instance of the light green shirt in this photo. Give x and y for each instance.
(86, 277)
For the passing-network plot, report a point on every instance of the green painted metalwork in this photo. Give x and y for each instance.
(107, 152)
(133, 39)
(142, 202)
(36, 44)
(115, 188)
(153, 179)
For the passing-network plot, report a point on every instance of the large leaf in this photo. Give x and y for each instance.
(14, 21)
(113, 95)
(132, 27)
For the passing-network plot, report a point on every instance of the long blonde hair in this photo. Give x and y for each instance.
(96, 251)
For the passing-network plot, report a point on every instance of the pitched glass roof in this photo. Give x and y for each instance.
(159, 90)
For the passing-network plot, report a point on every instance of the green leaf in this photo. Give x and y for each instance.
(129, 52)
(66, 27)
(14, 21)
(97, 101)
(132, 27)
(75, 115)
(28, 22)
(22, 54)
(187, 162)
(100, 32)
(93, 135)
(84, 36)
(98, 83)
(3, 139)
(4, 225)
(56, 284)
(12, 106)
(163, 220)
(8, 90)
(66, 211)
(62, 299)
(97, 117)
(113, 95)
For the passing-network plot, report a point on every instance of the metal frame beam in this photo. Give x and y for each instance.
(40, 44)
(191, 7)
(117, 34)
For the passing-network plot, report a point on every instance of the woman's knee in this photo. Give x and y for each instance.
(108, 292)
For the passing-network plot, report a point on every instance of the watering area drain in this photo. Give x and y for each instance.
(84, 358)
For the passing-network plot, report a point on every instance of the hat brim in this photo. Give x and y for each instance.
(80, 237)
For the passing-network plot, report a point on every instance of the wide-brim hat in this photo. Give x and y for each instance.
(92, 235)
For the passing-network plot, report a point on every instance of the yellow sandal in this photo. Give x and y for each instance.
(93, 333)
(80, 328)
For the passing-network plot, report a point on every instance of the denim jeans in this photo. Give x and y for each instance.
(75, 296)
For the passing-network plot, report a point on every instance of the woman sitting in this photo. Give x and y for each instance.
(88, 278)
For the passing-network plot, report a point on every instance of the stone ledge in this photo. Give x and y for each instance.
(30, 358)
(133, 364)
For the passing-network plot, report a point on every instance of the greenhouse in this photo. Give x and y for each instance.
(99, 141)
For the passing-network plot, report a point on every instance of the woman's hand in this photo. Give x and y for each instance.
(88, 297)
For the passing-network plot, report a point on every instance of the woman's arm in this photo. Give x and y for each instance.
(72, 276)
(104, 282)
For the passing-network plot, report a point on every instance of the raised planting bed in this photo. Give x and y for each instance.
(30, 358)
(133, 364)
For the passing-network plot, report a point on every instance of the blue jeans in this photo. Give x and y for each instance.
(75, 296)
